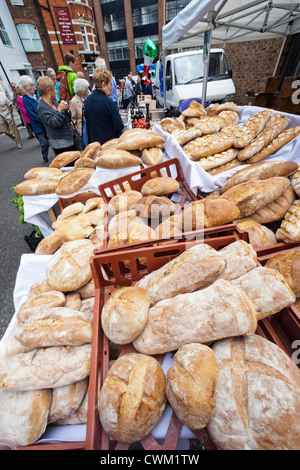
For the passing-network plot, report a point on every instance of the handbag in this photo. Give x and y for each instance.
(85, 137)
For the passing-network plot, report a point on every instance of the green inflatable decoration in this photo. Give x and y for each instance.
(150, 52)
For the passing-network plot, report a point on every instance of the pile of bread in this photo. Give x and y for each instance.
(213, 138)
(45, 361)
(204, 305)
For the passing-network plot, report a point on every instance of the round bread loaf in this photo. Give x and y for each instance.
(69, 268)
(160, 186)
(259, 235)
(288, 264)
(258, 400)
(192, 384)
(122, 202)
(125, 313)
(132, 398)
(152, 156)
(154, 207)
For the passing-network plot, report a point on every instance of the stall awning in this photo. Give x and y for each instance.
(232, 21)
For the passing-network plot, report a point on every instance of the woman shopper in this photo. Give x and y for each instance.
(102, 116)
(7, 122)
(55, 117)
(21, 92)
(81, 88)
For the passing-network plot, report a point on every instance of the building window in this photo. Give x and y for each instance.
(30, 37)
(3, 35)
(84, 38)
(114, 22)
(17, 2)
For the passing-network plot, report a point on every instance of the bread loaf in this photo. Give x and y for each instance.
(287, 264)
(45, 368)
(251, 128)
(92, 203)
(218, 159)
(73, 181)
(23, 415)
(217, 311)
(259, 235)
(258, 402)
(183, 136)
(64, 159)
(114, 159)
(84, 163)
(152, 156)
(38, 288)
(154, 207)
(73, 301)
(71, 231)
(91, 150)
(49, 244)
(282, 139)
(125, 313)
(51, 299)
(69, 268)
(140, 140)
(132, 398)
(36, 187)
(121, 221)
(267, 289)
(47, 312)
(252, 196)
(79, 416)
(208, 212)
(289, 230)
(66, 400)
(240, 257)
(225, 167)
(160, 186)
(260, 171)
(44, 173)
(227, 118)
(123, 201)
(191, 386)
(295, 181)
(194, 268)
(276, 210)
(208, 145)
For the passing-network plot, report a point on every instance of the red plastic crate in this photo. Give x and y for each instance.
(111, 263)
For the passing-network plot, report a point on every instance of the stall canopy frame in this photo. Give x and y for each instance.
(230, 21)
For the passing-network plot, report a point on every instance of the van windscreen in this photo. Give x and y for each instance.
(190, 68)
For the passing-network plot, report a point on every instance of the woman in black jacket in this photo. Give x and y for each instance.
(103, 119)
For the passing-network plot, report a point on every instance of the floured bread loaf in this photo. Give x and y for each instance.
(225, 167)
(195, 268)
(218, 311)
(50, 299)
(267, 289)
(69, 267)
(36, 187)
(160, 186)
(154, 207)
(240, 257)
(208, 145)
(125, 313)
(79, 416)
(288, 265)
(122, 202)
(64, 159)
(23, 415)
(132, 398)
(208, 212)
(295, 181)
(152, 156)
(114, 159)
(44, 173)
(192, 383)
(228, 118)
(276, 210)
(91, 150)
(289, 230)
(254, 376)
(218, 159)
(73, 181)
(259, 235)
(66, 400)
(251, 128)
(45, 368)
(282, 139)
(208, 125)
(140, 140)
(253, 195)
(183, 136)
(84, 163)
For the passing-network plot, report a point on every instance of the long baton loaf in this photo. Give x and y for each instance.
(251, 128)
(284, 138)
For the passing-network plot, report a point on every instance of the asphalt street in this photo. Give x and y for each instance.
(13, 165)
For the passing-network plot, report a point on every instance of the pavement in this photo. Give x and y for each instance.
(13, 165)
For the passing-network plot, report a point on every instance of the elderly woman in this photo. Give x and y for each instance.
(21, 92)
(81, 88)
(55, 117)
(102, 116)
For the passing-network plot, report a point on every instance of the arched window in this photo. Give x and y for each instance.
(30, 37)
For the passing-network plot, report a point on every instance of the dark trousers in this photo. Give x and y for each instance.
(44, 144)
(66, 149)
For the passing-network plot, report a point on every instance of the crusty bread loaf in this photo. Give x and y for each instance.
(225, 167)
(92, 203)
(208, 125)
(227, 118)
(44, 173)
(258, 401)
(154, 207)
(64, 159)
(132, 398)
(51, 299)
(38, 288)
(260, 171)
(208, 212)
(251, 128)
(282, 139)
(253, 195)
(295, 181)
(49, 244)
(23, 415)
(36, 187)
(267, 289)
(192, 383)
(276, 210)
(289, 230)
(47, 312)
(140, 140)
(91, 150)
(259, 235)
(288, 265)
(114, 159)
(218, 159)
(194, 268)
(69, 267)
(122, 202)
(66, 400)
(73, 301)
(73, 181)
(125, 313)
(160, 186)
(152, 156)
(217, 311)
(240, 257)
(87, 290)
(208, 145)
(79, 416)
(71, 231)
(84, 163)
(183, 136)
(121, 221)
(45, 367)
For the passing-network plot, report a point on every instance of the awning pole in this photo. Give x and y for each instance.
(206, 60)
(282, 48)
(164, 77)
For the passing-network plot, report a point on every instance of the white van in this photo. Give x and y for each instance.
(184, 78)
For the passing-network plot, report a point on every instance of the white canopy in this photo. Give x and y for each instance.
(232, 21)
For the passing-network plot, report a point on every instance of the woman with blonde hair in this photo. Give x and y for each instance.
(55, 117)
(102, 116)
(21, 92)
